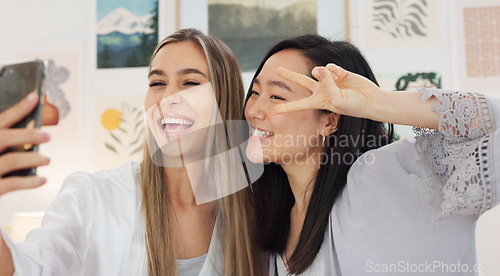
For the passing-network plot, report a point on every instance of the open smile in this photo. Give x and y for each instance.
(257, 133)
(174, 125)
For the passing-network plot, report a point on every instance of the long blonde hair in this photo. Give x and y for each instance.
(234, 212)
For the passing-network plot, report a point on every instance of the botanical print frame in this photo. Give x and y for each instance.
(400, 23)
(119, 134)
(409, 80)
(380, 24)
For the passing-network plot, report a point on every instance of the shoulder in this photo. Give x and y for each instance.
(399, 157)
(117, 181)
(386, 173)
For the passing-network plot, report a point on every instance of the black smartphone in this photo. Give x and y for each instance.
(16, 82)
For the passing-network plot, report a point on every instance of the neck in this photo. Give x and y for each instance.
(178, 184)
(301, 178)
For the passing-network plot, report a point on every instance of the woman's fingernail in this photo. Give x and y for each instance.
(322, 72)
(45, 136)
(43, 180)
(47, 160)
(31, 98)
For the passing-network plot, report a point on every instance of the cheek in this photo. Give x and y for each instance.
(247, 109)
(298, 123)
(150, 100)
(203, 107)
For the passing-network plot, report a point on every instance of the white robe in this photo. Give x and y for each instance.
(413, 209)
(95, 227)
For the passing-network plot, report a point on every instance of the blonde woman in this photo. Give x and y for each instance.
(144, 218)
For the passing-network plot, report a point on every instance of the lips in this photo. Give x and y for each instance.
(175, 125)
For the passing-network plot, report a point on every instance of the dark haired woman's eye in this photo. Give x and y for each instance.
(274, 97)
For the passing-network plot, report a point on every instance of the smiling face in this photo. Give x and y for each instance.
(180, 100)
(283, 138)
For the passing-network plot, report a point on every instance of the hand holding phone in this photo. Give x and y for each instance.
(19, 123)
(16, 160)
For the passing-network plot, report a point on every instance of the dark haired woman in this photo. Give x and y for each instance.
(337, 197)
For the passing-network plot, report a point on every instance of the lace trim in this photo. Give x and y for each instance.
(457, 178)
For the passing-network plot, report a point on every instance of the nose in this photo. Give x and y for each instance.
(171, 97)
(255, 109)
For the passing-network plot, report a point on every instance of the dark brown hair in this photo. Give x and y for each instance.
(273, 197)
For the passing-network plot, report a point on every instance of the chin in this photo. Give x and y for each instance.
(254, 154)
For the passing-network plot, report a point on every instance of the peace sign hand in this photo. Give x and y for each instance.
(336, 90)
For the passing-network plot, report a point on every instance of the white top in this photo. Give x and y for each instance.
(412, 206)
(95, 227)
(190, 267)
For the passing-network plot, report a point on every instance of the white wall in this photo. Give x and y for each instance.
(53, 25)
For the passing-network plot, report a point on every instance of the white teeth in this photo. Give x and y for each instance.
(260, 133)
(173, 130)
(176, 121)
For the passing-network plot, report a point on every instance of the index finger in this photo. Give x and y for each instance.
(296, 78)
(18, 111)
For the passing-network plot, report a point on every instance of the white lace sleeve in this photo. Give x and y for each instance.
(457, 176)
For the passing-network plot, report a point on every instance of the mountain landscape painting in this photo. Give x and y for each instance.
(251, 27)
(127, 32)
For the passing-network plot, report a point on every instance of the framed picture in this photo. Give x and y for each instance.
(477, 55)
(118, 130)
(251, 27)
(397, 23)
(329, 17)
(404, 36)
(126, 32)
(122, 36)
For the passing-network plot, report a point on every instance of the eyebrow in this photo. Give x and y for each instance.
(191, 71)
(180, 72)
(275, 83)
(279, 84)
(156, 72)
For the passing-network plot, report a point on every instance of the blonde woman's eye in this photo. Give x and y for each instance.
(191, 83)
(155, 84)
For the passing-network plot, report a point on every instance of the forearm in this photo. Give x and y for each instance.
(6, 263)
(405, 108)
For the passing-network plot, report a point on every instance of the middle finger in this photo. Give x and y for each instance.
(296, 78)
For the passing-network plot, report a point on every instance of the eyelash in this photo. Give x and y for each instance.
(273, 97)
(191, 83)
(188, 83)
(157, 83)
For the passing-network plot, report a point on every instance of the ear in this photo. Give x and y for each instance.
(329, 123)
